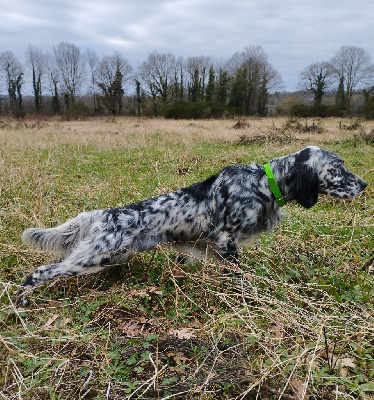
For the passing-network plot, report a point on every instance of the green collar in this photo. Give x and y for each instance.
(274, 186)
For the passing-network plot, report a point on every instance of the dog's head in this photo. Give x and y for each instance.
(318, 171)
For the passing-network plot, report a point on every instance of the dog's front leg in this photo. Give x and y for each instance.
(227, 249)
(228, 253)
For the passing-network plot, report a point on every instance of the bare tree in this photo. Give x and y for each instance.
(12, 71)
(159, 73)
(353, 67)
(37, 62)
(317, 77)
(92, 60)
(112, 72)
(71, 65)
(53, 75)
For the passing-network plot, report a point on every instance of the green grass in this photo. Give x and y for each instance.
(299, 324)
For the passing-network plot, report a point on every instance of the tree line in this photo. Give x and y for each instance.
(67, 80)
(350, 68)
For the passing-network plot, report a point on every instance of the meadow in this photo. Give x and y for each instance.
(298, 325)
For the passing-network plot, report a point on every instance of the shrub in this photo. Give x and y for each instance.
(322, 111)
(300, 110)
(77, 110)
(369, 108)
(178, 110)
(193, 110)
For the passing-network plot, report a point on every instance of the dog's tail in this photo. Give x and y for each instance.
(61, 240)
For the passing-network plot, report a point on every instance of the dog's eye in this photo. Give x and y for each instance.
(338, 164)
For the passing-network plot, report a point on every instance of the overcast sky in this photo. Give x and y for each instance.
(293, 33)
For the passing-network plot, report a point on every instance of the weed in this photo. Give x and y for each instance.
(368, 137)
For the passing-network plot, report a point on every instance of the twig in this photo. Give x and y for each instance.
(151, 380)
(327, 349)
(107, 391)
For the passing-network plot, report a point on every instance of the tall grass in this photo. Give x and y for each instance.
(298, 325)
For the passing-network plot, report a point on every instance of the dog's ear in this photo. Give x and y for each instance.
(304, 185)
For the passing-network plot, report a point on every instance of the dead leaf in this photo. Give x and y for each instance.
(138, 327)
(195, 324)
(248, 276)
(145, 292)
(54, 322)
(53, 303)
(139, 292)
(178, 369)
(344, 365)
(50, 322)
(155, 290)
(177, 272)
(178, 357)
(347, 362)
(278, 331)
(183, 333)
(64, 322)
(313, 361)
(299, 387)
(131, 328)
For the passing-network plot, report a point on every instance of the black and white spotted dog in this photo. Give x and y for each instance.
(212, 216)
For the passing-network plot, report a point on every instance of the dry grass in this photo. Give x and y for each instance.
(298, 325)
(132, 132)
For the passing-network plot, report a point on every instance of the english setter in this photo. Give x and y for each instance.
(214, 216)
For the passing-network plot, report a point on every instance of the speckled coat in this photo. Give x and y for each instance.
(207, 218)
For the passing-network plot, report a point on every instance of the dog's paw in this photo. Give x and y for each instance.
(20, 299)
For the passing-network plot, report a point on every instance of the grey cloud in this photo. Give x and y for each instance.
(292, 33)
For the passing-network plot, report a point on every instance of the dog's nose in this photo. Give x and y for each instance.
(363, 184)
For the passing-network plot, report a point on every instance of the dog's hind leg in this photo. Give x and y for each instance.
(48, 272)
(81, 261)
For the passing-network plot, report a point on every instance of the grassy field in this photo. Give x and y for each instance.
(300, 325)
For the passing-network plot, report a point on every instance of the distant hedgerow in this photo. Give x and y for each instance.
(194, 110)
(321, 110)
